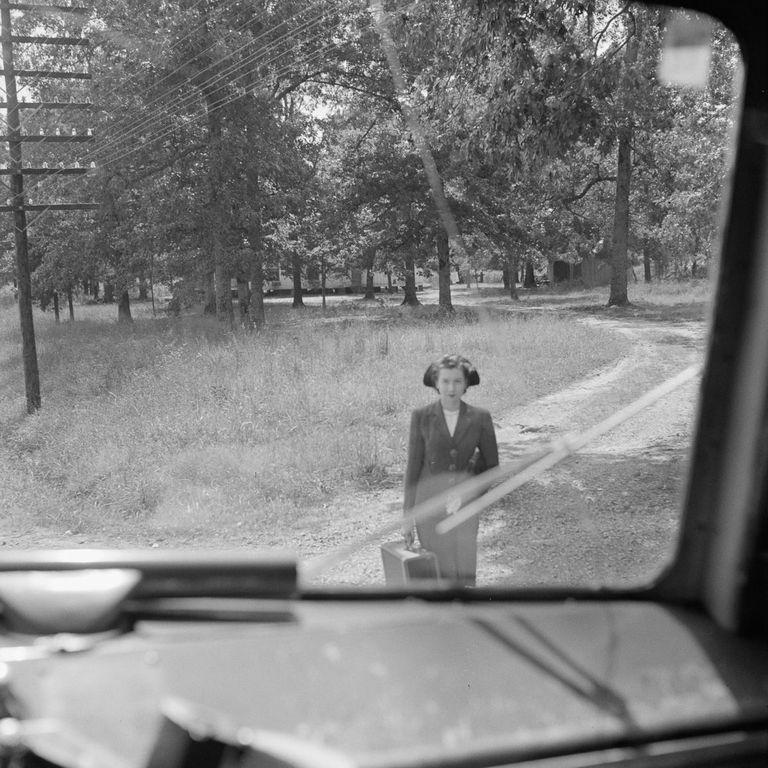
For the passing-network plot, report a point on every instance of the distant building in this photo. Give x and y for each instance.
(354, 281)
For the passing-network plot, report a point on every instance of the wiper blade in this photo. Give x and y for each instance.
(566, 446)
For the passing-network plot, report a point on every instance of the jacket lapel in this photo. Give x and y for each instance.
(462, 424)
(438, 420)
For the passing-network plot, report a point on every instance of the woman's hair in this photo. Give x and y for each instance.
(471, 376)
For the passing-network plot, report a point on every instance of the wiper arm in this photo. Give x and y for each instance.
(566, 446)
(585, 685)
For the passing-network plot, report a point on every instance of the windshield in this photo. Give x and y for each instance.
(337, 278)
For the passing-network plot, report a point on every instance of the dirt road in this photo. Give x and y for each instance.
(607, 515)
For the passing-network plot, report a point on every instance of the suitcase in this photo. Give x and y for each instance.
(403, 565)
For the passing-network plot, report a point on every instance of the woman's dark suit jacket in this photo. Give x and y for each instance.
(437, 461)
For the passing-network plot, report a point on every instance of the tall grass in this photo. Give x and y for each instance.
(182, 426)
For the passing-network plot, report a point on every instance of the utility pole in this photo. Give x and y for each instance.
(14, 138)
(23, 277)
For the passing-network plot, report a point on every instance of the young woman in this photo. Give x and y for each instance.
(449, 441)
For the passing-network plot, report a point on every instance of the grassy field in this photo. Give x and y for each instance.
(669, 301)
(182, 425)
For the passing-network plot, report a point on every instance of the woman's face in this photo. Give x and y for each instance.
(451, 385)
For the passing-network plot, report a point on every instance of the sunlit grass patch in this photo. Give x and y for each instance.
(673, 291)
(656, 295)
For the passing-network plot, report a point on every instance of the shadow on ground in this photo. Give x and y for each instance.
(593, 520)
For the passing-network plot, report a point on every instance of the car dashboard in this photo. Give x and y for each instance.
(480, 681)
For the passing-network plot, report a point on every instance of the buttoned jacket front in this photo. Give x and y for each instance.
(437, 460)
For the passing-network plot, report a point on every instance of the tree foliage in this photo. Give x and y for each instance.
(236, 140)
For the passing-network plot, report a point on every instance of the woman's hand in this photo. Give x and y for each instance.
(409, 536)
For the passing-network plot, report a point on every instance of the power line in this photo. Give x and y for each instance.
(183, 101)
(257, 57)
(251, 19)
(148, 118)
(319, 54)
(175, 45)
(188, 100)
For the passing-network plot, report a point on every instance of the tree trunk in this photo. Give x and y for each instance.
(647, 264)
(71, 304)
(410, 298)
(143, 296)
(56, 306)
(256, 315)
(298, 299)
(152, 281)
(510, 270)
(322, 280)
(618, 296)
(223, 287)
(369, 294)
(370, 256)
(443, 271)
(124, 308)
(109, 293)
(209, 300)
(243, 298)
(529, 281)
(418, 136)
(216, 212)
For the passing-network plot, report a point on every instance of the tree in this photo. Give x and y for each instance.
(618, 295)
(62, 250)
(233, 138)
